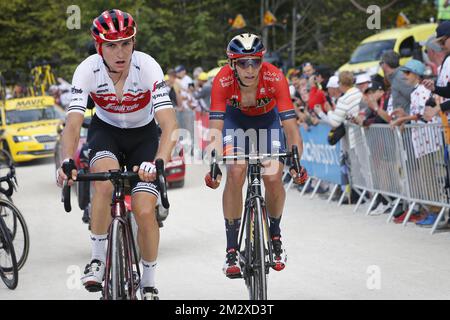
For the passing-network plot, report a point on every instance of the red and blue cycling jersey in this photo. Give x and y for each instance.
(272, 91)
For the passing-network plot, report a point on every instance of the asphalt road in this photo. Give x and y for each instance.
(333, 253)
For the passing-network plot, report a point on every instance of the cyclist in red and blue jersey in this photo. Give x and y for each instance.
(249, 101)
(128, 90)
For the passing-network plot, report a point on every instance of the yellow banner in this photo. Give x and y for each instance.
(29, 103)
(269, 18)
(402, 20)
(239, 22)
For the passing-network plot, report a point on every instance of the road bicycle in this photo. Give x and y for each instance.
(11, 215)
(255, 251)
(42, 78)
(122, 273)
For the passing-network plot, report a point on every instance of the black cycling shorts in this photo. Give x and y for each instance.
(130, 147)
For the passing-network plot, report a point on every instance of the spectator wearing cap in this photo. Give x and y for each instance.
(377, 105)
(363, 82)
(333, 93)
(184, 78)
(400, 89)
(347, 106)
(414, 71)
(203, 92)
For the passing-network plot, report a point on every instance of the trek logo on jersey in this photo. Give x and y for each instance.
(271, 76)
(77, 90)
(157, 86)
(130, 102)
(226, 81)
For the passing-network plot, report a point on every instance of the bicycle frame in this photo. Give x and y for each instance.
(120, 219)
(255, 202)
(258, 243)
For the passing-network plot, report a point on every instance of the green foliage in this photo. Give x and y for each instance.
(191, 32)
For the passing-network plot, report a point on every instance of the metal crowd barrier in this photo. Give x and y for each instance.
(320, 160)
(408, 164)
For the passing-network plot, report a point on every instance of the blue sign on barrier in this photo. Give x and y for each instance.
(320, 159)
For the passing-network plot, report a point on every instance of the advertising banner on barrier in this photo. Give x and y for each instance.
(320, 159)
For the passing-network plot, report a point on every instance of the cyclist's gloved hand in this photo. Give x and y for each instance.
(299, 177)
(213, 183)
(67, 171)
(146, 171)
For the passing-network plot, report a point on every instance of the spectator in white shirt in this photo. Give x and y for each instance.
(185, 80)
(347, 106)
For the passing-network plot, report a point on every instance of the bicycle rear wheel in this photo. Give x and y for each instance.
(9, 271)
(17, 226)
(118, 262)
(259, 265)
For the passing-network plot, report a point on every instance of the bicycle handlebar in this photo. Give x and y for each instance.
(256, 156)
(113, 175)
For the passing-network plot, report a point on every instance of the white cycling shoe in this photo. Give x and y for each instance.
(93, 276)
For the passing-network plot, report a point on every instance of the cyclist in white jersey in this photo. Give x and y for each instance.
(128, 90)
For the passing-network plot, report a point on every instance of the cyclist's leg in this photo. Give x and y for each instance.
(275, 194)
(142, 145)
(232, 200)
(103, 157)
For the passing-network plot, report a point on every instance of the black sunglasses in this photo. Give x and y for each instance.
(245, 63)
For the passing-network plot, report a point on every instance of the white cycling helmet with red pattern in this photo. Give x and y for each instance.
(246, 44)
(113, 25)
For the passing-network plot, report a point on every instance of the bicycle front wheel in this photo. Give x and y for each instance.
(118, 262)
(259, 269)
(9, 271)
(18, 229)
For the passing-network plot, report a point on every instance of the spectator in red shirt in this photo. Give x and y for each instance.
(316, 95)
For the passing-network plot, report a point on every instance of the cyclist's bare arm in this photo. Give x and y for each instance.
(70, 137)
(293, 135)
(167, 121)
(71, 133)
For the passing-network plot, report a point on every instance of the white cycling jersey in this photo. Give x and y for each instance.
(144, 92)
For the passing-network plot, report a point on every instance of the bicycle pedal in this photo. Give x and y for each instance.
(94, 287)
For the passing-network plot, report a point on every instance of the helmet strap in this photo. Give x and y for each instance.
(233, 67)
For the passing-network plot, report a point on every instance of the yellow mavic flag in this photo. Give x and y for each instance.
(269, 18)
(239, 22)
(402, 20)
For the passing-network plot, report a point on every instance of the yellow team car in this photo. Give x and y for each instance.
(366, 57)
(28, 127)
